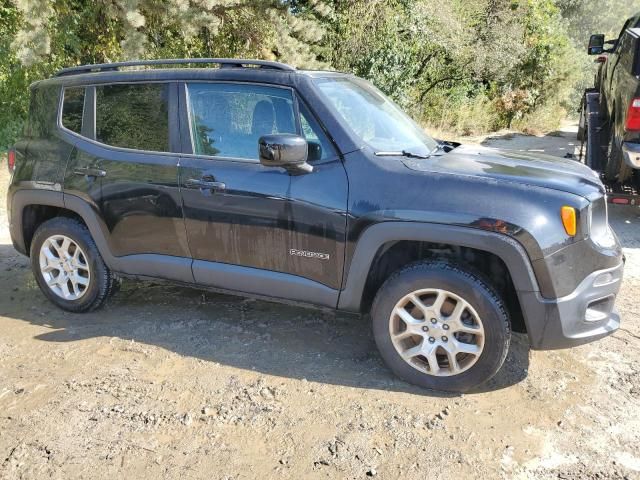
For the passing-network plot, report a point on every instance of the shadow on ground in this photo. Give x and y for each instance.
(275, 339)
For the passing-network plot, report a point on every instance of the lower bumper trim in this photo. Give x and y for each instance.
(585, 315)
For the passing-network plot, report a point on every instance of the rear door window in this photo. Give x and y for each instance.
(227, 119)
(133, 116)
(72, 108)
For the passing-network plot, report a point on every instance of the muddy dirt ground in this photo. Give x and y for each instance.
(169, 382)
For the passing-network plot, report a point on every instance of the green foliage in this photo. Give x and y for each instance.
(467, 66)
(464, 65)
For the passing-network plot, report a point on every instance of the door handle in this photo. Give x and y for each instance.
(90, 172)
(204, 184)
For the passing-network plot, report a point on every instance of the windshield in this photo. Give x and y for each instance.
(374, 118)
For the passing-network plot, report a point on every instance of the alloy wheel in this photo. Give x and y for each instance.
(64, 267)
(436, 332)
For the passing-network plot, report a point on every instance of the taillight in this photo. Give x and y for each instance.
(633, 116)
(11, 159)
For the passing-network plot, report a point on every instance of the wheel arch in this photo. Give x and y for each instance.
(30, 208)
(382, 238)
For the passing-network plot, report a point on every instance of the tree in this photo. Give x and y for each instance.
(463, 65)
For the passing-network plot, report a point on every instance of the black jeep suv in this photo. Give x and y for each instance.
(310, 187)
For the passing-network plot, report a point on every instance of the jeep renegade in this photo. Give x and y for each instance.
(310, 187)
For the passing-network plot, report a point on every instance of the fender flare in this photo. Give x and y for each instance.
(18, 201)
(24, 198)
(506, 248)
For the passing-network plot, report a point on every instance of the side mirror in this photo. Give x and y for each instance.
(284, 150)
(315, 150)
(596, 44)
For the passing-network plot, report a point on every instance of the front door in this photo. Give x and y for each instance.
(253, 228)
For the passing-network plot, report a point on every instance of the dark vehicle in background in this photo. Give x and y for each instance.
(612, 107)
(258, 179)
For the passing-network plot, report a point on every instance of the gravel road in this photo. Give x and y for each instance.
(170, 382)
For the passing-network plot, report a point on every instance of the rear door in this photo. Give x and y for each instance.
(253, 228)
(123, 165)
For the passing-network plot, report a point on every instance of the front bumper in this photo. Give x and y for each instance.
(583, 316)
(631, 153)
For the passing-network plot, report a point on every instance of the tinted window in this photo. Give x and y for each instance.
(320, 147)
(228, 119)
(72, 107)
(133, 116)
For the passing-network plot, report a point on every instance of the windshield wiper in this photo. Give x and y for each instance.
(401, 153)
(437, 148)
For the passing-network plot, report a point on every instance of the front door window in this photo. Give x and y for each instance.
(227, 119)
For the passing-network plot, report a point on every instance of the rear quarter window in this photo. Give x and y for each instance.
(72, 108)
(43, 109)
(133, 116)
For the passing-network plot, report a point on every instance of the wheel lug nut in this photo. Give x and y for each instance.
(444, 339)
(431, 339)
(445, 326)
(425, 329)
(433, 320)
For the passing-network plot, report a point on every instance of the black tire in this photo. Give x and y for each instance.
(616, 169)
(467, 285)
(101, 281)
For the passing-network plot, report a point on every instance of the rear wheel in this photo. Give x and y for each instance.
(440, 326)
(68, 267)
(616, 169)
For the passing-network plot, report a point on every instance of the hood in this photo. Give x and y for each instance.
(525, 168)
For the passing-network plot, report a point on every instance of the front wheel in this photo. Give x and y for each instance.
(441, 327)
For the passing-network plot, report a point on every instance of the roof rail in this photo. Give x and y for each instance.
(223, 62)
